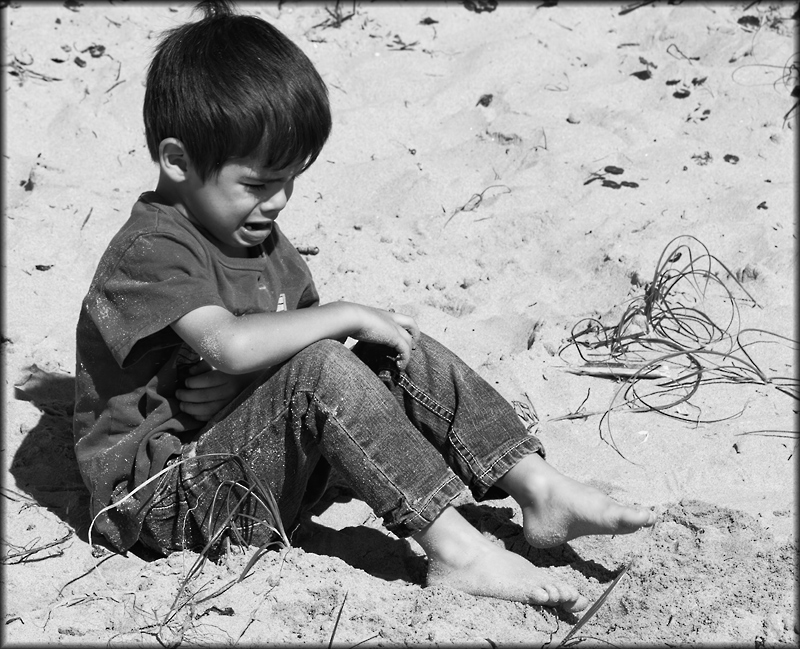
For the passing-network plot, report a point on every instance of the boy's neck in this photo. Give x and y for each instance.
(170, 195)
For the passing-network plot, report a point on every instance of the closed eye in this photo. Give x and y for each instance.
(263, 186)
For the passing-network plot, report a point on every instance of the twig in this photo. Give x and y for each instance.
(121, 81)
(5, 491)
(594, 608)
(668, 327)
(360, 642)
(634, 7)
(20, 69)
(474, 202)
(336, 624)
(82, 575)
(577, 414)
(24, 554)
(621, 371)
(681, 55)
(336, 17)
(87, 217)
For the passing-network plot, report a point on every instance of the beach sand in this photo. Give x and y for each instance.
(473, 179)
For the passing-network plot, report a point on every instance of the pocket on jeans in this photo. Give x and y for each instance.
(165, 501)
(163, 512)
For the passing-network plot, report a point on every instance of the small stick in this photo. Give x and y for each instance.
(307, 250)
(681, 54)
(475, 200)
(94, 567)
(336, 624)
(594, 608)
(114, 86)
(634, 7)
(621, 371)
(22, 555)
(578, 414)
(87, 216)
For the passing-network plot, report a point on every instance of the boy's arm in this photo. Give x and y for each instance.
(242, 344)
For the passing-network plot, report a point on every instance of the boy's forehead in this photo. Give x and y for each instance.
(255, 166)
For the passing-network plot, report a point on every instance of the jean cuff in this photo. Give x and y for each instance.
(417, 519)
(484, 487)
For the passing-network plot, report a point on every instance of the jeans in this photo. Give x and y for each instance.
(407, 443)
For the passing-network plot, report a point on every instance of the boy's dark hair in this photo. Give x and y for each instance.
(230, 86)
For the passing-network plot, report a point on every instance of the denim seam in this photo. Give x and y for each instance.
(198, 467)
(425, 399)
(462, 450)
(417, 511)
(500, 458)
(342, 427)
(458, 445)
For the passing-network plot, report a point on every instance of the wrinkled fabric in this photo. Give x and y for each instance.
(408, 443)
(127, 421)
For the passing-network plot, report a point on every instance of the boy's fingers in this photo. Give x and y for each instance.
(188, 396)
(415, 332)
(201, 395)
(208, 379)
(201, 367)
(404, 351)
(410, 326)
(202, 411)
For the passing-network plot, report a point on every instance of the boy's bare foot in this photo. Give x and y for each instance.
(556, 508)
(460, 557)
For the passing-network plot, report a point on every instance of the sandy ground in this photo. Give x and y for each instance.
(500, 223)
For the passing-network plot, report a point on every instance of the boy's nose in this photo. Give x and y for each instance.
(277, 201)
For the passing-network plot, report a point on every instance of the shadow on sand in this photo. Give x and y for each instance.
(44, 467)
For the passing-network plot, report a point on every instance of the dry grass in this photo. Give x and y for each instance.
(228, 503)
(570, 640)
(685, 330)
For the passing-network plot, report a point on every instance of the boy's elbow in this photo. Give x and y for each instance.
(226, 353)
(233, 365)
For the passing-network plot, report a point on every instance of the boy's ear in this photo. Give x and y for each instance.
(173, 159)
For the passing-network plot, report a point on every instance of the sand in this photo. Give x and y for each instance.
(454, 188)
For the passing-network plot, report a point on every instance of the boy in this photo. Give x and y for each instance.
(202, 348)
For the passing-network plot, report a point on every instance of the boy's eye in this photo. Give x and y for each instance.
(261, 186)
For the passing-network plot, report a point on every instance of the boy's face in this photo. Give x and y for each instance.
(238, 205)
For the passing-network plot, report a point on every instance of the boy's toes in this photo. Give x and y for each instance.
(574, 605)
(633, 518)
(561, 595)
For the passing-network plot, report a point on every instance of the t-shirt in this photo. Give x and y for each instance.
(127, 420)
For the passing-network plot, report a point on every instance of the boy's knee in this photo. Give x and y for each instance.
(326, 352)
(328, 361)
(327, 347)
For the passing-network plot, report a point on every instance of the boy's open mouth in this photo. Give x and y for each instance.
(256, 226)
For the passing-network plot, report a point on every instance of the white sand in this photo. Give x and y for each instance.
(477, 221)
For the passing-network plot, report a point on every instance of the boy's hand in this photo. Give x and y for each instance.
(206, 391)
(388, 328)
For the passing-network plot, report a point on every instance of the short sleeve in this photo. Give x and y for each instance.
(310, 297)
(156, 280)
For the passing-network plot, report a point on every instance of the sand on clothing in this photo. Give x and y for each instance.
(502, 176)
